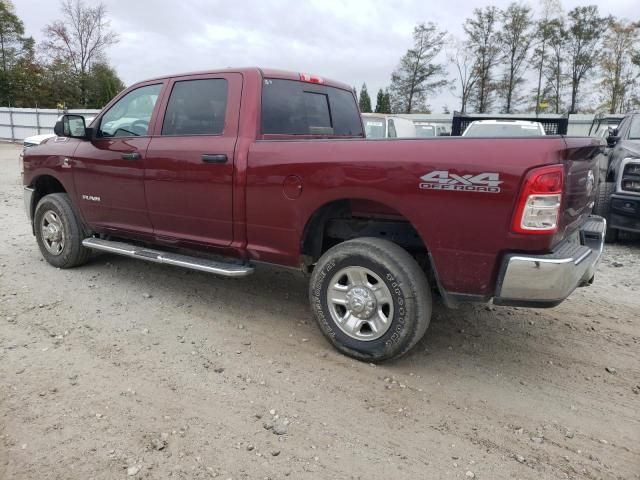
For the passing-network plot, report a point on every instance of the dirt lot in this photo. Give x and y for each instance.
(122, 369)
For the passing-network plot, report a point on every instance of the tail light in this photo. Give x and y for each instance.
(538, 206)
(305, 77)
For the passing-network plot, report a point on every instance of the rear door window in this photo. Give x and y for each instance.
(196, 107)
(291, 107)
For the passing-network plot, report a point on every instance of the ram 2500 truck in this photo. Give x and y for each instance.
(224, 170)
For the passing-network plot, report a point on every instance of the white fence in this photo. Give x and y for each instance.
(18, 123)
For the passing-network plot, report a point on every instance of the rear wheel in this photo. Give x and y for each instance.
(59, 232)
(602, 207)
(370, 299)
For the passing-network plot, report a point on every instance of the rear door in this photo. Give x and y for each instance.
(190, 161)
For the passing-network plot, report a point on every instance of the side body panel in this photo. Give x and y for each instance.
(465, 231)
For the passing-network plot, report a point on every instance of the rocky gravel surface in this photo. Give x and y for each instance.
(122, 369)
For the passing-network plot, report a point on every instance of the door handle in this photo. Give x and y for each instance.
(214, 158)
(131, 156)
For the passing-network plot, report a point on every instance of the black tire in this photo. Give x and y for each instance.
(406, 284)
(602, 207)
(72, 253)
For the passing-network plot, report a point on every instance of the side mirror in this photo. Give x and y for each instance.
(72, 126)
(612, 140)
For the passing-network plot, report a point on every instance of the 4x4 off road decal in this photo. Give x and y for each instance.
(443, 180)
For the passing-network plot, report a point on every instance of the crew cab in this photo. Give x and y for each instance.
(618, 198)
(223, 171)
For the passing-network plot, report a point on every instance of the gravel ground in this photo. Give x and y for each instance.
(123, 369)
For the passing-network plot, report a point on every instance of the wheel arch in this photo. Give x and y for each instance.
(43, 185)
(346, 218)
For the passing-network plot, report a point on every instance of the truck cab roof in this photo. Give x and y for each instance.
(262, 72)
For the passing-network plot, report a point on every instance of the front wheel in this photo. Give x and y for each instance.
(59, 232)
(370, 298)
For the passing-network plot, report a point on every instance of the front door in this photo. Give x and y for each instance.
(190, 161)
(109, 170)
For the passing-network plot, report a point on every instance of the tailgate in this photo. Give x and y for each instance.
(581, 176)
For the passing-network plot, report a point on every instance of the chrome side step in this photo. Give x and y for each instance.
(156, 256)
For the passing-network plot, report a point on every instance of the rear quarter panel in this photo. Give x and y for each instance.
(465, 232)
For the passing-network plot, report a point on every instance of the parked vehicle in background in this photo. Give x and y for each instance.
(378, 125)
(551, 124)
(618, 198)
(225, 170)
(503, 128)
(603, 125)
(429, 129)
(35, 140)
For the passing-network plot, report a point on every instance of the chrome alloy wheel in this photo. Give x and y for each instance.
(53, 236)
(360, 303)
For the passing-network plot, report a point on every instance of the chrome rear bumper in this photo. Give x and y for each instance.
(546, 280)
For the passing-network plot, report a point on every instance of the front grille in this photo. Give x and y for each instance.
(630, 180)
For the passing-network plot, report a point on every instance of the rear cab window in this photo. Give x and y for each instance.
(291, 107)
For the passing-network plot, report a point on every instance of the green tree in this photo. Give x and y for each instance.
(379, 101)
(481, 31)
(551, 9)
(61, 88)
(515, 39)
(418, 74)
(618, 76)
(11, 46)
(365, 100)
(27, 78)
(585, 30)
(103, 85)
(80, 39)
(555, 65)
(386, 104)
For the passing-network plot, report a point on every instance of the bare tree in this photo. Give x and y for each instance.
(551, 9)
(482, 39)
(418, 74)
(555, 65)
(464, 60)
(620, 44)
(584, 33)
(515, 38)
(80, 38)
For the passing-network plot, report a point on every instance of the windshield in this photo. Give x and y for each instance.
(425, 131)
(501, 130)
(634, 131)
(374, 127)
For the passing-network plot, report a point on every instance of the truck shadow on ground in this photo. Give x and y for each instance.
(273, 301)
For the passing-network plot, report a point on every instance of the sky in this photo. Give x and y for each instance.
(353, 41)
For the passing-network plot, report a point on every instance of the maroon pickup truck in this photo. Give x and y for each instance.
(222, 171)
